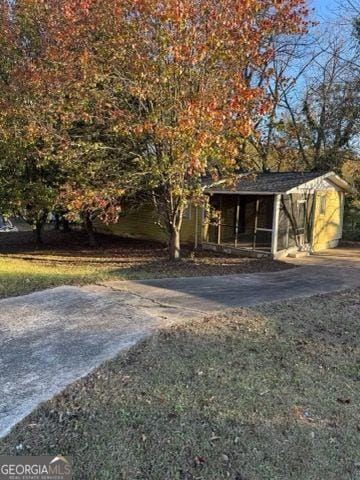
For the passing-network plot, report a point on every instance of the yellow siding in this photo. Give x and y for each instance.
(141, 223)
(189, 225)
(328, 226)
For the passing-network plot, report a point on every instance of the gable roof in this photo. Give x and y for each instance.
(275, 182)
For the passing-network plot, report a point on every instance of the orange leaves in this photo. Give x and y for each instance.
(165, 76)
(244, 128)
(75, 8)
(101, 203)
(85, 5)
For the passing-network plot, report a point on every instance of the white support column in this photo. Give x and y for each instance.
(220, 220)
(202, 231)
(237, 217)
(196, 242)
(275, 224)
(256, 222)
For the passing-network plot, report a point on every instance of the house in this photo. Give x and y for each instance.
(260, 214)
(6, 225)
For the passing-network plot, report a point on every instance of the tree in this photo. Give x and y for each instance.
(29, 173)
(176, 96)
(321, 115)
(183, 90)
(51, 132)
(95, 183)
(331, 111)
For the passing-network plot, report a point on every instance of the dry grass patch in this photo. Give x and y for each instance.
(268, 393)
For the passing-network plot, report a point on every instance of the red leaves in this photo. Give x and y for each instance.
(166, 74)
(85, 5)
(101, 203)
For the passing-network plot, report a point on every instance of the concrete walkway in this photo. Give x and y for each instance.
(51, 338)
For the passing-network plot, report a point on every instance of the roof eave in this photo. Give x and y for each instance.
(330, 176)
(239, 192)
(341, 183)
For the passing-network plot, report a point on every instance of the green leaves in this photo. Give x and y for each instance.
(134, 96)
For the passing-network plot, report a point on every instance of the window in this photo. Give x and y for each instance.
(322, 205)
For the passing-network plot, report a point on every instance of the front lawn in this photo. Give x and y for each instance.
(66, 259)
(270, 393)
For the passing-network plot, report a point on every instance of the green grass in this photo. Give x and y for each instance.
(265, 394)
(19, 276)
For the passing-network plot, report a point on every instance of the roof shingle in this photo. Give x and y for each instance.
(267, 182)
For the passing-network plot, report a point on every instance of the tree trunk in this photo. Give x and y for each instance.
(65, 225)
(89, 228)
(174, 244)
(38, 233)
(57, 221)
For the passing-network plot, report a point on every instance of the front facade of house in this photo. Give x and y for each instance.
(272, 214)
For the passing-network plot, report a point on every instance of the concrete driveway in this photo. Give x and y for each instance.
(51, 338)
(328, 271)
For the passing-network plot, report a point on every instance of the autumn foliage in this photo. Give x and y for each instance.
(159, 89)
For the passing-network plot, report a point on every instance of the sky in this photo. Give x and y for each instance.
(330, 11)
(325, 9)
(332, 16)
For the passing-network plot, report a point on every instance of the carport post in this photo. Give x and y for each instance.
(275, 224)
(196, 243)
(220, 220)
(237, 217)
